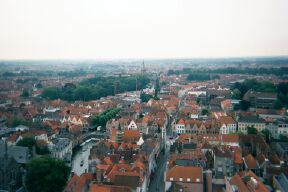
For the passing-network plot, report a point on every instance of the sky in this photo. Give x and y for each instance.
(111, 29)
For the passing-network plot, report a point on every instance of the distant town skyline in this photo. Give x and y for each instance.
(113, 29)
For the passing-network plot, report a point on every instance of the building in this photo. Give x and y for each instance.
(180, 126)
(245, 181)
(184, 178)
(251, 164)
(227, 125)
(250, 121)
(260, 99)
(61, 148)
(11, 171)
(223, 161)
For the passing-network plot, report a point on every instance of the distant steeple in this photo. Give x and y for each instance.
(143, 70)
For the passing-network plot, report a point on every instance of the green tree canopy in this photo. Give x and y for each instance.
(102, 118)
(236, 94)
(46, 174)
(95, 88)
(252, 130)
(145, 97)
(27, 142)
(204, 111)
(25, 93)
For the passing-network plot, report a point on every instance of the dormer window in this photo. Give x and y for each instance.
(171, 179)
(188, 179)
(180, 179)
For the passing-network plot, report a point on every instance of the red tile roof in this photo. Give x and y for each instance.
(250, 162)
(185, 173)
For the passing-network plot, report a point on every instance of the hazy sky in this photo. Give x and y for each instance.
(97, 29)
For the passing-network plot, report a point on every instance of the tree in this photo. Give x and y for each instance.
(267, 135)
(25, 93)
(204, 111)
(51, 93)
(101, 119)
(278, 104)
(282, 88)
(244, 105)
(236, 94)
(39, 85)
(95, 88)
(157, 87)
(46, 174)
(27, 142)
(283, 137)
(145, 97)
(252, 130)
(42, 149)
(15, 122)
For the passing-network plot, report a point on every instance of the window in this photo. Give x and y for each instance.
(171, 178)
(180, 179)
(188, 179)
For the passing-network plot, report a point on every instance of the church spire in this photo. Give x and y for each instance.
(119, 127)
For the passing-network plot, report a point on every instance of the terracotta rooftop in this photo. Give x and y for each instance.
(250, 162)
(185, 174)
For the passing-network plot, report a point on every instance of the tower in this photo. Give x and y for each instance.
(119, 134)
(143, 70)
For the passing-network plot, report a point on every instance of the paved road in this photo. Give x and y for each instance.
(82, 156)
(157, 182)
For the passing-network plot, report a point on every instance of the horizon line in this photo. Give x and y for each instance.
(147, 58)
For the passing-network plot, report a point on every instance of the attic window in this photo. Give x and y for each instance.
(180, 179)
(188, 179)
(171, 178)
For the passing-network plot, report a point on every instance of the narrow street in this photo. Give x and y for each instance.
(157, 182)
(82, 157)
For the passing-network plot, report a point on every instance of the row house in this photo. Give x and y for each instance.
(115, 123)
(218, 139)
(75, 120)
(250, 121)
(227, 125)
(192, 126)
